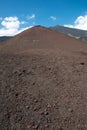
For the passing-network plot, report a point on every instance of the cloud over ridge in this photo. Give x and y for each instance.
(29, 17)
(79, 23)
(11, 26)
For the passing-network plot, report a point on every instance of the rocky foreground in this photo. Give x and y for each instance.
(43, 89)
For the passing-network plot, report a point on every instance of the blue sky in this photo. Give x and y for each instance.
(17, 15)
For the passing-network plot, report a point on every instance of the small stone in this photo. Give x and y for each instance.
(49, 67)
(41, 112)
(8, 115)
(33, 83)
(35, 109)
(27, 107)
(46, 113)
(24, 71)
(49, 105)
(35, 100)
(35, 126)
(20, 73)
(46, 126)
(70, 110)
(54, 105)
(82, 63)
(16, 94)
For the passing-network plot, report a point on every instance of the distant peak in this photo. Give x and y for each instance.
(39, 26)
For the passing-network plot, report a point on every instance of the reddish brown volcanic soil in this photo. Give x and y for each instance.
(43, 82)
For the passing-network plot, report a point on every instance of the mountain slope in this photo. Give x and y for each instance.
(43, 82)
(41, 38)
(4, 38)
(70, 31)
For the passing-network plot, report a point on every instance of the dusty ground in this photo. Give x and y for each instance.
(43, 89)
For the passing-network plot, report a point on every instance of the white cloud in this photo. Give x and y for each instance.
(31, 17)
(53, 18)
(11, 26)
(8, 32)
(80, 23)
(11, 23)
(23, 22)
